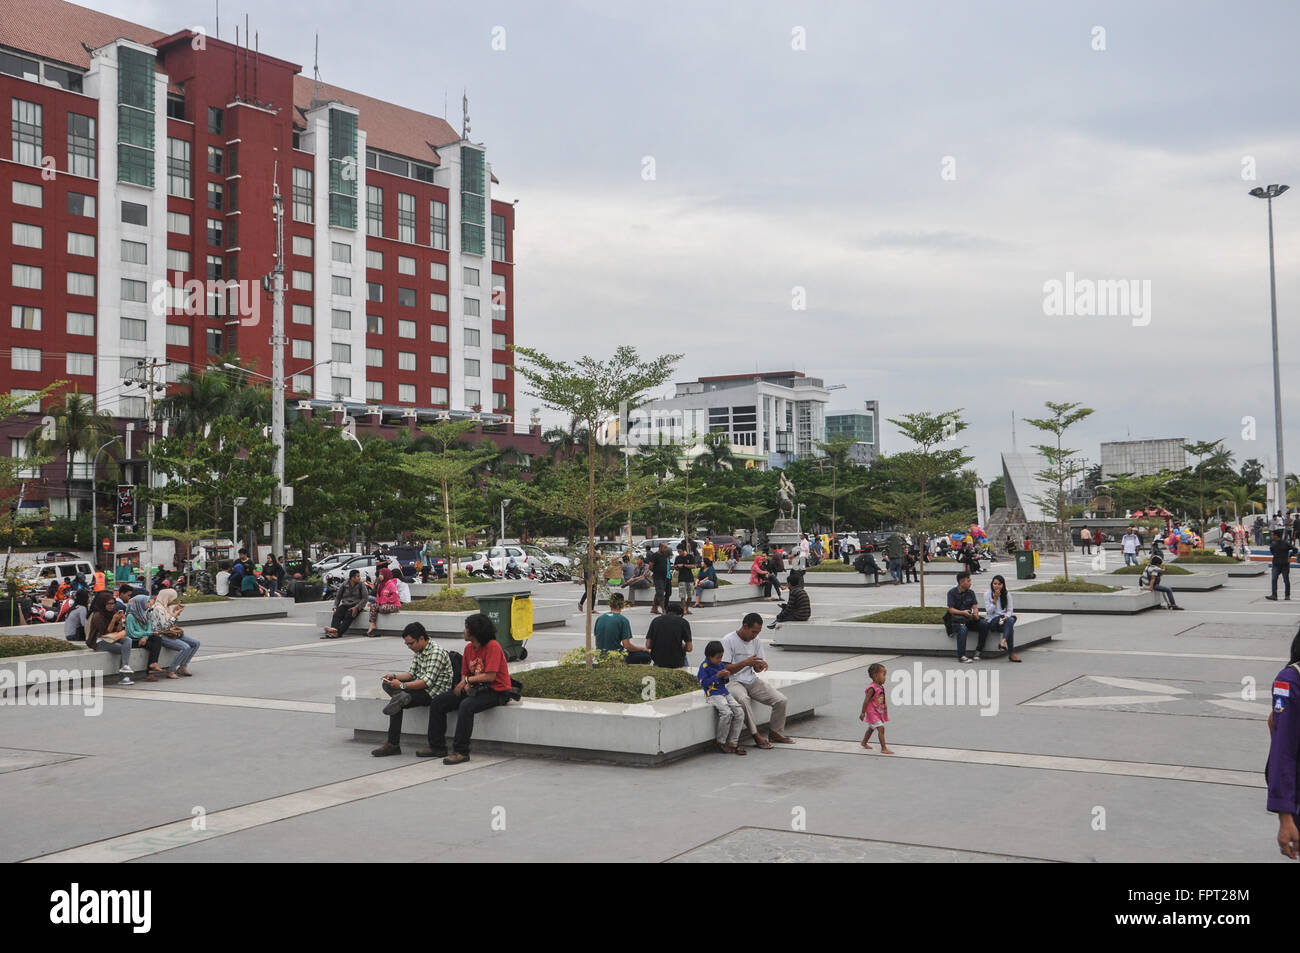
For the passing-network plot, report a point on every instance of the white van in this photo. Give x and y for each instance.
(63, 572)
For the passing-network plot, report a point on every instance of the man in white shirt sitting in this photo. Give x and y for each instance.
(742, 653)
(223, 582)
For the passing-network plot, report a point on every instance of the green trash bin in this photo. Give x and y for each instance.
(1024, 564)
(499, 608)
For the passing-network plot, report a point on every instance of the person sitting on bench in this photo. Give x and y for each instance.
(798, 608)
(964, 614)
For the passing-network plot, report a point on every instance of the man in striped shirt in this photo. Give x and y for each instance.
(430, 675)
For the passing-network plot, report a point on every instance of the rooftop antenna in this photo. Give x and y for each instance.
(464, 108)
(1013, 430)
(217, 4)
(315, 95)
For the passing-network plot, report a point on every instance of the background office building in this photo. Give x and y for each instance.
(864, 428)
(1142, 457)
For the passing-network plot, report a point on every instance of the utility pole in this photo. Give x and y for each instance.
(145, 374)
(283, 496)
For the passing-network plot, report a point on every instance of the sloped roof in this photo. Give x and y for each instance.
(55, 30)
(389, 127)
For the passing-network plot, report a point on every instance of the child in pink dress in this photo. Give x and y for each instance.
(875, 707)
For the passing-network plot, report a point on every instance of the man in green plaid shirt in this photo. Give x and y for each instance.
(430, 675)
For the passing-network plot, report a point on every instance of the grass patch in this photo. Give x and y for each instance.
(1074, 585)
(443, 601)
(605, 683)
(1170, 570)
(194, 598)
(831, 565)
(907, 615)
(1207, 557)
(12, 646)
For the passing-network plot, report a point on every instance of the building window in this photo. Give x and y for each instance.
(302, 246)
(134, 407)
(175, 106)
(134, 329)
(374, 259)
(216, 232)
(471, 277)
(21, 67)
(405, 265)
(81, 145)
(30, 195)
(406, 393)
(438, 396)
(437, 364)
(471, 308)
(342, 320)
(216, 121)
(80, 284)
(405, 217)
(374, 291)
(471, 337)
(374, 357)
(302, 383)
(473, 200)
(406, 329)
(302, 281)
(27, 276)
(216, 195)
(406, 297)
(437, 302)
(438, 225)
(341, 252)
(375, 390)
(341, 354)
(301, 349)
(133, 253)
(471, 367)
(405, 361)
(342, 386)
(472, 398)
(62, 78)
(216, 267)
(178, 223)
(302, 314)
(178, 260)
(374, 211)
(343, 169)
(79, 323)
(498, 238)
(214, 342)
(133, 213)
(499, 401)
(178, 168)
(341, 285)
(216, 160)
(178, 335)
(438, 333)
(25, 319)
(27, 132)
(437, 271)
(499, 342)
(25, 359)
(302, 195)
(498, 372)
(374, 324)
(29, 236)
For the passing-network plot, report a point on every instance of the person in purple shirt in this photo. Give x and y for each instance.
(1284, 754)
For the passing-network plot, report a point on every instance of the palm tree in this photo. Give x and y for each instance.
(211, 393)
(78, 429)
(717, 454)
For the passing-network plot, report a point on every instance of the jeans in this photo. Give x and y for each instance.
(982, 631)
(760, 691)
(731, 719)
(1007, 626)
(896, 568)
(1169, 593)
(638, 658)
(343, 618)
(122, 647)
(419, 698)
(466, 707)
(1130, 559)
(686, 590)
(185, 647)
(1285, 573)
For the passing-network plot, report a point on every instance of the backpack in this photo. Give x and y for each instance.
(860, 564)
(456, 660)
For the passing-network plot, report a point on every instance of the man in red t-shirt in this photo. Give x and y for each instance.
(484, 684)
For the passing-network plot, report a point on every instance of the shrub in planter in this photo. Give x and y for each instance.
(907, 615)
(1074, 585)
(15, 645)
(1171, 569)
(612, 681)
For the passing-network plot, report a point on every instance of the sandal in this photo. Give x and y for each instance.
(740, 751)
(172, 675)
(151, 677)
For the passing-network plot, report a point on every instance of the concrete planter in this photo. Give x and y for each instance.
(1125, 602)
(65, 668)
(1195, 582)
(839, 579)
(1237, 571)
(648, 734)
(892, 639)
(500, 588)
(235, 610)
(723, 595)
(443, 624)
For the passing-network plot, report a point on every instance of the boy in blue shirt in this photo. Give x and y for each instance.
(713, 677)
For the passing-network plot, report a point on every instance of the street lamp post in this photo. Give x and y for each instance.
(504, 504)
(234, 526)
(277, 368)
(798, 520)
(1269, 194)
(94, 509)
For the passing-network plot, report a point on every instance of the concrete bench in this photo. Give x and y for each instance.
(650, 733)
(1124, 602)
(420, 590)
(443, 624)
(1193, 582)
(894, 639)
(722, 595)
(62, 668)
(202, 613)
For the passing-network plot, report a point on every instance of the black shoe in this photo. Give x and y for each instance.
(1177, 608)
(430, 753)
(384, 750)
(400, 700)
(1271, 598)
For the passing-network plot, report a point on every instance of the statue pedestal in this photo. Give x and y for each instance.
(785, 532)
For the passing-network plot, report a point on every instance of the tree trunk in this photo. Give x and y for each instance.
(446, 516)
(591, 534)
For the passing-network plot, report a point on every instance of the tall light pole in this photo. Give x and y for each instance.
(234, 526)
(94, 510)
(281, 499)
(1269, 194)
(504, 504)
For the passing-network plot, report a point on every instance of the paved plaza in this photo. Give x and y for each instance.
(1126, 738)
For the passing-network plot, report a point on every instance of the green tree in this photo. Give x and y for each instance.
(204, 395)
(1213, 471)
(78, 429)
(591, 391)
(11, 517)
(921, 467)
(318, 461)
(1061, 467)
(717, 454)
(837, 458)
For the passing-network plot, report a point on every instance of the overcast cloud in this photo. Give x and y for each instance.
(820, 168)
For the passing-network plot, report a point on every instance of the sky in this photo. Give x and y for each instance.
(915, 175)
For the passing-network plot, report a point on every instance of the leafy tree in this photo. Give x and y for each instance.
(1213, 464)
(1061, 467)
(921, 467)
(12, 407)
(837, 454)
(591, 391)
(319, 462)
(78, 429)
(717, 454)
(213, 392)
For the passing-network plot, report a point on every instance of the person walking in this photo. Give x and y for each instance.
(1130, 544)
(685, 564)
(875, 707)
(1085, 541)
(894, 550)
(1282, 551)
(660, 564)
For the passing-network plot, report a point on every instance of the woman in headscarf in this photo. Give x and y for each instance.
(163, 616)
(388, 599)
(139, 630)
(1283, 770)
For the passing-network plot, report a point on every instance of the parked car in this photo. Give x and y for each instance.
(39, 576)
(333, 562)
(339, 575)
(554, 559)
(498, 557)
(59, 557)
